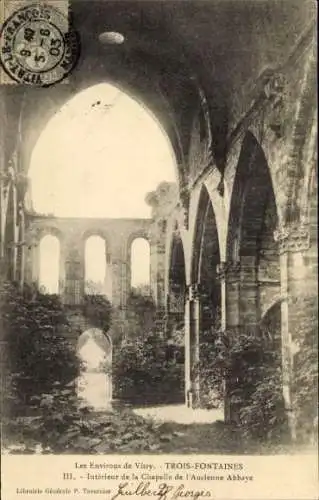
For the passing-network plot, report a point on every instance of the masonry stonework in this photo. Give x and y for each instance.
(241, 221)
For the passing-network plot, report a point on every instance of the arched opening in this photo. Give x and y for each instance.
(176, 309)
(252, 222)
(97, 267)
(176, 285)
(49, 265)
(106, 148)
(206, 322)
(95, 382)
(140, 266)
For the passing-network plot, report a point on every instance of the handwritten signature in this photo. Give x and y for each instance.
(163, 491)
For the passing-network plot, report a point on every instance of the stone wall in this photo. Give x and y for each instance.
(118, 235)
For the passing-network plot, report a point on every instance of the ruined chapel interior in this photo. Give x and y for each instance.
(232, 85)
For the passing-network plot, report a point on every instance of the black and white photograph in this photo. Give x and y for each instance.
(158, 244)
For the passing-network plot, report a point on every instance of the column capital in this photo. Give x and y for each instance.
(294, 237)
(228, 271)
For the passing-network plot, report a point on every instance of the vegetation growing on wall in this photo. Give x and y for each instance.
(98, 311)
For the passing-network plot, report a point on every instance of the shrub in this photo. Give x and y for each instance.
(38, 353)
(98, 310)
(255, 386)
(211, 369)
(148, 369)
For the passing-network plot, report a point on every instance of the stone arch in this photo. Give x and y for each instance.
(304, 135)
(33, 120)
(309, 188)
(94, 348)
(204, 298)
(253, 220)
(251, 189)
(205, 231)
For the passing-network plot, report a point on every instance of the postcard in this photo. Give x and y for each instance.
(158, 249)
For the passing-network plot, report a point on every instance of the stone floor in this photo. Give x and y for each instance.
(180, 414)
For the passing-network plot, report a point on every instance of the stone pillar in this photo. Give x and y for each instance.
(248, 300)
(23, 245)
(187, 321)
(298, 265)
(192, 332)
(229, 275)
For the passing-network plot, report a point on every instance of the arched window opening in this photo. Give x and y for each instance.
(140, 266)
(98, 144)
(95, 381)
(49, 265)
(96, 266)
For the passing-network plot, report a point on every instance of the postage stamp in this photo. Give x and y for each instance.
(38, 46)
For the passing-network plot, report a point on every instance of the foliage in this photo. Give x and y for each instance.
(305, 387)
(65, 425)
(140, 302)
(247, 366)
(258, 381)
(254, 380)
(210, 368)
(38, 353)
(148, 369)
(98, 310)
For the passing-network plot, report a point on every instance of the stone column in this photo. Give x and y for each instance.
(187, 321)
(248, 300)
(229, 275)
(298, 265)
(192, 332)
(23, 245)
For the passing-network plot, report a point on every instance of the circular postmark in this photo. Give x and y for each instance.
(37, 45)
